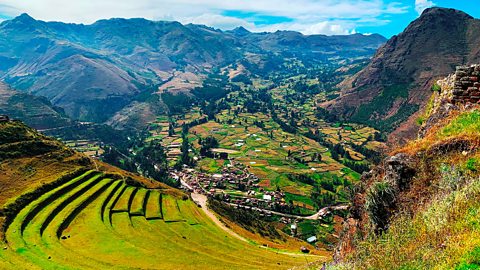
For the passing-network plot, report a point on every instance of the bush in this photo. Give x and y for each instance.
(436, 88)
(472, 164)
(380, 203)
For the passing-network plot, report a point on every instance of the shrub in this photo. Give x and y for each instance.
(436, 88)
(380, 203)
(472, 164)
(420, 120)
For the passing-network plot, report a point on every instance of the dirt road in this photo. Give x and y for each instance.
(202, 201)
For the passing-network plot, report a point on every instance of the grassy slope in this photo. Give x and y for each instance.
(444, 230)
(72, 224)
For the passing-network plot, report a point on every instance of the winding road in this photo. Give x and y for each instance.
(201, 200)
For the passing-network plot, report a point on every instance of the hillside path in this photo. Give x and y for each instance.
(202, 201)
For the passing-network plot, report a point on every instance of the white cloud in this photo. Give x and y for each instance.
(421, 5)
(308, 16)
(219, 21)
(328, 28)
(324, 27)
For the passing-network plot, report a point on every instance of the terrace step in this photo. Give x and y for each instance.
(170, 210)
(30, 242)
(112, 203)
(153, 209)
(53, 233)
(190, 213)
(36, 206)
(112, 191)
(81, 203)
(122, 204)
(139, 202)
(69, 199)
(32, 217)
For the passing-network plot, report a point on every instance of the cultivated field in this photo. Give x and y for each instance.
(94, 221)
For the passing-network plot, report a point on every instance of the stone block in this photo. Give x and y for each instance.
(472, 89)
(460, 74)
(457, 92)
(466, 83)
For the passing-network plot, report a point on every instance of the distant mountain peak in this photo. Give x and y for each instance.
(430, 47)
(240, 31)
(24, 17)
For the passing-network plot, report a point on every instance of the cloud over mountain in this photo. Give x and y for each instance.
(307, 16)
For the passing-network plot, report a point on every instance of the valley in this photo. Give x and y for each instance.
(94, 219)
(144, 144)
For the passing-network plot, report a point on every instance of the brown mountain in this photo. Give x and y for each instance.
(110, 71)
(389, 92)
(38, 112)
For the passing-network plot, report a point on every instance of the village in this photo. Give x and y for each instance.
(235, 185)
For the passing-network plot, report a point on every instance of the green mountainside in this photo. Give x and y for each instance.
(60, 209)
(158, 145)
(113, 69)
(37, 112)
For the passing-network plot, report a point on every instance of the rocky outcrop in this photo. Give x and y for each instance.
(399, 171)
(376, 200)
(457, 90)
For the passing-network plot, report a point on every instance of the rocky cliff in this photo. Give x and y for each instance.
(416, 210)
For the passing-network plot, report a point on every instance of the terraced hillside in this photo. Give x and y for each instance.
(99, 220)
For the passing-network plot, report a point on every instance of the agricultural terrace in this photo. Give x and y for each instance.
(272, 155)
(277, 131)
(89, 148)
(95, 221)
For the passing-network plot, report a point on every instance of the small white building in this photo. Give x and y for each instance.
(217, 176)
(267, 197)
(312, 239)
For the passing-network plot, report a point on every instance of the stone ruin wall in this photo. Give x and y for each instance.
(466, 84)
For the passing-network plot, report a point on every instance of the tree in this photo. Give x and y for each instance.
(207, 144)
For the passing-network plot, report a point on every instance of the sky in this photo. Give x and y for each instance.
(330, 17)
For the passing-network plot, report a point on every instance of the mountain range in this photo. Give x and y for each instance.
(114, 68)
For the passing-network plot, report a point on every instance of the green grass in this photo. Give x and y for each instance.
(443, 235)
(138, 203)
(465, 124)
(170, 210)
(471, 260)
(382, 103)
(122, 204)
(86, 241)
(153, 210)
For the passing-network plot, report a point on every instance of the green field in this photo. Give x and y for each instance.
(93, 222)
(272, 155)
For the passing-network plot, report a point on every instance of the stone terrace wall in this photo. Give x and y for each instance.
(467, 84)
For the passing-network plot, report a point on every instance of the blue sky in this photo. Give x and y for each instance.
(386, 17)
